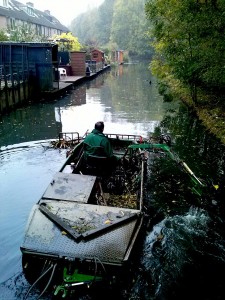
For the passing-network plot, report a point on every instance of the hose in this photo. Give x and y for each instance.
(97, 259)
(48, 283)
(39, 278)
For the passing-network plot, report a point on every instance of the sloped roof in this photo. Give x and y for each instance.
(97, 50)
(17, 11)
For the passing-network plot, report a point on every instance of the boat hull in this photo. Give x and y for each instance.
(77, 231)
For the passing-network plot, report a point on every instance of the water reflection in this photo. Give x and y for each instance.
(128, 101)
(124, 100)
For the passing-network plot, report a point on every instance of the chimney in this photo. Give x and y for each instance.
(30, 4)
(47, 12)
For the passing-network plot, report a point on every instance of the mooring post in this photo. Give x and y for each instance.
(6, 89)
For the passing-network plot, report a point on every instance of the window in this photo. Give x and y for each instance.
(30, 11)
(38, 29)
(4, 3)
(12, 24)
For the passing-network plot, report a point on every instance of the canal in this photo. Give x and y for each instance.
(182, 255)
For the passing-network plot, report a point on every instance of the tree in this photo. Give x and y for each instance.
(68, 42)
(118, 22)
(84, 27)
(3, 35)
(104, 21)
(189, 41)
(130, 34)
(25, 33)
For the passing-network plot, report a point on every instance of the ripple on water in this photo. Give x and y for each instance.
(25, 171)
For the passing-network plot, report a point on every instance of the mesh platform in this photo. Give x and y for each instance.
(70, 187)
(105, 232)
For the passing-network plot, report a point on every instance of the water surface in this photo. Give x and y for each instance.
(184, 244)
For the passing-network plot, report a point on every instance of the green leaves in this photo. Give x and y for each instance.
(116, 22)
(67, 41)
(189, 35)
(25, 33)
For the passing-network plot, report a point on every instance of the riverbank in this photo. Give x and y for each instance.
(211, 116)
(214, 120)
(208, 110)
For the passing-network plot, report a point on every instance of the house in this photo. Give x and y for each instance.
(14, 14)
(117, 56)
(98, 56)
(97, 61)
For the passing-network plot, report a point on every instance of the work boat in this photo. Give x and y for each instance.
(85, 228)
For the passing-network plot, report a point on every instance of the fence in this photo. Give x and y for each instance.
(94, 66)
(19, 83)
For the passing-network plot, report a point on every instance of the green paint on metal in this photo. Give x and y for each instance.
(70, 281)
(78, 277)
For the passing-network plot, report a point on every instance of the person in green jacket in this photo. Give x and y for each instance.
(97, 144)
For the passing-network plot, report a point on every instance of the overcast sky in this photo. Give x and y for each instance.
(64, 10)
